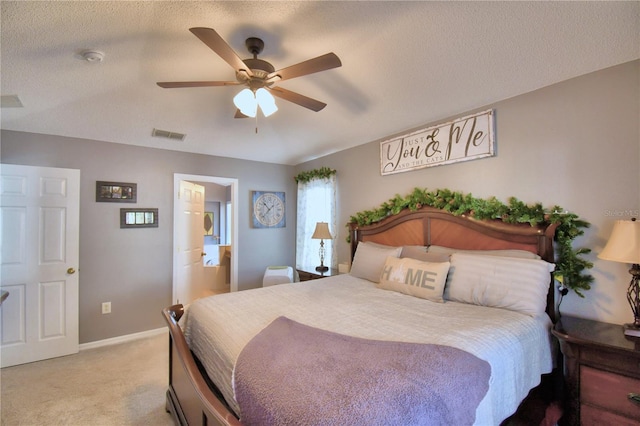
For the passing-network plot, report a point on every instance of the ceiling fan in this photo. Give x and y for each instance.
(258, 75)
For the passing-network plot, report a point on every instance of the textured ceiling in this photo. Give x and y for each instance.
(404, 64)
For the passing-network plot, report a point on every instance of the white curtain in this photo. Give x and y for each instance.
(316, 203)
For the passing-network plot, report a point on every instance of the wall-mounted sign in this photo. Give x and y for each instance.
(466, 138)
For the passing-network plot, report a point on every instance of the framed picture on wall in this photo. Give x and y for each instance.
(268, 209)
(116, 192)
(138, 218)
(208, 223)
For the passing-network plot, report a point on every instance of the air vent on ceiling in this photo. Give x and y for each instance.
(167, 134)
(10, 101)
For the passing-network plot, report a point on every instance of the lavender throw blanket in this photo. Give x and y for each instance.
(294, 374)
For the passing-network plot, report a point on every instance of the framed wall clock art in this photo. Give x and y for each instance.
(268, 209)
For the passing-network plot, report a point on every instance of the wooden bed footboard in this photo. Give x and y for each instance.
(190, 400)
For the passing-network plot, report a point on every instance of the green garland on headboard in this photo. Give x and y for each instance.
(321, 173)
(570, 266)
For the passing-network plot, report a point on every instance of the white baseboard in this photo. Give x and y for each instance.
(123, 339)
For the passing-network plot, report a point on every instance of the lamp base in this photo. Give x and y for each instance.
(631, 330)
(322, 268)
(633, 297)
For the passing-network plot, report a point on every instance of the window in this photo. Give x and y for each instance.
(316, 203)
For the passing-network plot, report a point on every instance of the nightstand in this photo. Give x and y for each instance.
(601, 369)
(310, 273)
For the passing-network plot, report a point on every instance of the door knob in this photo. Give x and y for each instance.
(203, 254)
(71, 271)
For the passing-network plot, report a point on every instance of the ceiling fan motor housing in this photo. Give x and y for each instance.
(254, 45)
(256, 73)
(261, 69)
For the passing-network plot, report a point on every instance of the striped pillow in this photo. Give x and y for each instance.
(369, 260)
(520, 285)
(504, 253)
(420, 253)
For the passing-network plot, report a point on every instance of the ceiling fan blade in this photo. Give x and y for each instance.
(321, 63)
(179, 84)
(297, 98)
(218, 45)
(239, 114)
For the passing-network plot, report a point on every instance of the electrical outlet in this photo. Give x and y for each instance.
(106, 307)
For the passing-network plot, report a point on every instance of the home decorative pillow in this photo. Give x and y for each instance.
(369, 260)
(410, 276)
(502, 282)
(420, 253)
(505, 253)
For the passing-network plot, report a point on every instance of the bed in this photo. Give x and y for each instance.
(500, 345)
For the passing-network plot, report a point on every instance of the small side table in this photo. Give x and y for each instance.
(602, 372)
(307, 273)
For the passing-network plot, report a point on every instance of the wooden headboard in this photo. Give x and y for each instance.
(430, 226)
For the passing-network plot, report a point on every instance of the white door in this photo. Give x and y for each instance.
(190, 273)
(39, 215)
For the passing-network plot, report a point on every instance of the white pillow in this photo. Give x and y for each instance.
(505, 253)
(369, 260)
(420, 253)
(502, 282)
(410, 276)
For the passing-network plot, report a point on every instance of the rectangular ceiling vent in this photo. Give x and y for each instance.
(157, 133)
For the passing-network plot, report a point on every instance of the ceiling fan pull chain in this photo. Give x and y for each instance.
(256, 124)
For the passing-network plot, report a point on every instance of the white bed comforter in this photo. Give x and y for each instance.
(518, 347)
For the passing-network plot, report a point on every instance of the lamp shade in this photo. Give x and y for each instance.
(624, 243)
(322, 232)
(266, 101)
(246, 102)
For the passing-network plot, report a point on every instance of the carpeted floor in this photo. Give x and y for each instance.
(117, 385)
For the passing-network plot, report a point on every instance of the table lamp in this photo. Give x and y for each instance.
(624, 246)
(322, 233)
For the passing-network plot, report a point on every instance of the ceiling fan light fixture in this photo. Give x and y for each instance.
(257, 75)
(266, 101)
(246, 102)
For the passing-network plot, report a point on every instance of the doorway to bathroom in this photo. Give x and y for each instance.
(204, 236)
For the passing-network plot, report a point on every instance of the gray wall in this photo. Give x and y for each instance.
(132, 268)
(575, 144)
